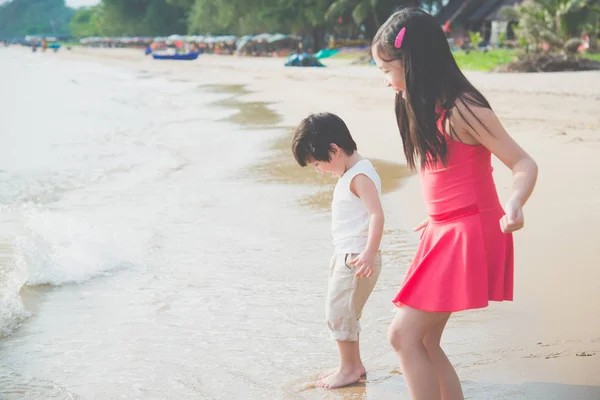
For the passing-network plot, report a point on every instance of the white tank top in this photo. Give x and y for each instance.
(349, 217)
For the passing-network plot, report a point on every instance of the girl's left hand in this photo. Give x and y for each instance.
(513, 220)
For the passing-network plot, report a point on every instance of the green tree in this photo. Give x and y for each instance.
(140, 18)
(87, 22)
(302, 17)
(371, 13)
(216, 16)
(185, 4)
(255, 16)
(32, 17)
(554, 22)
(164, 17)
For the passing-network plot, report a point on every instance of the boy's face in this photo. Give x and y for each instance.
(336, 166)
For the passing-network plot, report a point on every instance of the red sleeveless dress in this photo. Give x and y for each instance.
(464, 260)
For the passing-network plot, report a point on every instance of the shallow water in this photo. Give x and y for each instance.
(156, 252)
(158, 241)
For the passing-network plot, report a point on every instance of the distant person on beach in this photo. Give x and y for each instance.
(465, 255)
(324, 142)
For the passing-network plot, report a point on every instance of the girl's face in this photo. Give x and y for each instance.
(394, 73)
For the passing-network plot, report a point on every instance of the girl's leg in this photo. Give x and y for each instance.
(449, 382)
(406, 334)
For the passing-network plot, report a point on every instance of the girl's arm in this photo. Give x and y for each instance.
(482, 126)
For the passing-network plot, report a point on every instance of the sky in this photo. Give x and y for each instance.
(71, 3)
(81, 3)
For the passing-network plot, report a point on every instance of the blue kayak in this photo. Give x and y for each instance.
(187, 56)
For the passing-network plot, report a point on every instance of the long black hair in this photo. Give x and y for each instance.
(434, 84)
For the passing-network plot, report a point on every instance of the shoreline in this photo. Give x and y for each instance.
(552, 326)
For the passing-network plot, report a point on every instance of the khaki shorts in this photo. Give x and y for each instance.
(347, 295)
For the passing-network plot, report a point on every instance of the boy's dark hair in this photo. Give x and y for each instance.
(316, 133)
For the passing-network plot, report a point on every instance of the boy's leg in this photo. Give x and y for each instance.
(346, 297)
(361, 367)
(365, 286)
(349, 371)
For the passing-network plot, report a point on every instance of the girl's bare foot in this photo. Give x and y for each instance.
(341, 377)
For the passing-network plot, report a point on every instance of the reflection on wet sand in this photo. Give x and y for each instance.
(249, 114)
(282, 168)
(369, 387)
(383, 387)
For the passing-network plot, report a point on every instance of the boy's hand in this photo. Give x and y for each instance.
(364, 262)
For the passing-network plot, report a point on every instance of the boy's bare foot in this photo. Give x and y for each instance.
(341, 377)
(325, 374)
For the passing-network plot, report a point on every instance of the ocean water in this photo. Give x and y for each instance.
(157, 241)
(151, 242)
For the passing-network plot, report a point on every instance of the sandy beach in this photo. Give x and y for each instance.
(545, 344)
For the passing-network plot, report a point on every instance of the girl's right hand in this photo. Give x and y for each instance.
(513, 219)
(421, 226)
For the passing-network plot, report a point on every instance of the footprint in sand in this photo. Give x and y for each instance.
(585, 354)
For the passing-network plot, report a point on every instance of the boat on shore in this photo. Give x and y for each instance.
(192, 55)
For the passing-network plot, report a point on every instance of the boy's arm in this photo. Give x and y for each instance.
(364, 188)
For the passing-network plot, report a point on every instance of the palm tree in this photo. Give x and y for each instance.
(362, 10)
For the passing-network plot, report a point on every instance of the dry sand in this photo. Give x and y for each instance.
(547, 342)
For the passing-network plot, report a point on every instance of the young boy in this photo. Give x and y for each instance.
(324, 142)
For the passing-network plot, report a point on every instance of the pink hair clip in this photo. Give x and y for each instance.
(400, 38)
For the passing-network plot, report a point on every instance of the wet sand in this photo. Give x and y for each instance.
(546, 344)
